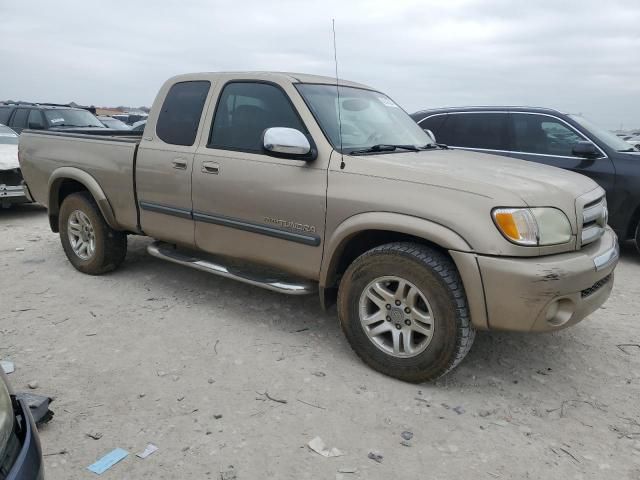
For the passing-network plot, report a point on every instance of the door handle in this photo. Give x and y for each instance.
(179, 164)
(210, 167)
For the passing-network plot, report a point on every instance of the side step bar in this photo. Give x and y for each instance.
(259, 278)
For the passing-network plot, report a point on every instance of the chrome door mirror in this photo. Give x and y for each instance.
(431, 134)
(286, 141)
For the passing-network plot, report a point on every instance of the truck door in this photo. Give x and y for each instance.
(248, 204)
(165, 161)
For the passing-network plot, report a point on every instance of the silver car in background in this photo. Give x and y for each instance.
(12, 189)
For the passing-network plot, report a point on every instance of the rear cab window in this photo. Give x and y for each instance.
(181, 112)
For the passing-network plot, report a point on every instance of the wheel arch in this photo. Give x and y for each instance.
(361, 232)
(67, 180)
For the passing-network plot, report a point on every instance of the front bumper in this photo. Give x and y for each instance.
(10, 194)
(28, 464)
(537, 294)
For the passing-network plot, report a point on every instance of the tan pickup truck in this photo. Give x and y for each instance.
(293, 183)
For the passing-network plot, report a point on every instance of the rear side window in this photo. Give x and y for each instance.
(476, 130)
(245, 110)
(35, 119)
(4, 115)
(181, 111)
(20, 118)
(542, 134)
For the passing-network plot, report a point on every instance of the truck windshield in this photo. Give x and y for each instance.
(71, 118)
(369, 119)
(611, 140)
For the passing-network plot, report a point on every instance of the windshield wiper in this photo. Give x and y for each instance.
(383, 147)
(430, 146)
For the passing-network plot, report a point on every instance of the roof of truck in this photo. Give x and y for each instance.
(282, 76)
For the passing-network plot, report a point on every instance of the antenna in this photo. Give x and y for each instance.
(335, 59)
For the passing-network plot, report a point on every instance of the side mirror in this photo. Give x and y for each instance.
(286, 141)
(36, 126)
(431, 134)
(585, 149)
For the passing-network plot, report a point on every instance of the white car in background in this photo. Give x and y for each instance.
(635, 141)
(12, 189)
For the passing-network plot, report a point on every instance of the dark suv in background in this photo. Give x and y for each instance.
(553, 138)
(23, 116)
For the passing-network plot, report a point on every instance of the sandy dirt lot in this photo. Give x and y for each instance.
(157, 353)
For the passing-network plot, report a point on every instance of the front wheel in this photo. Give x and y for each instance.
(404, 311)
(90, 244)
(637, 238)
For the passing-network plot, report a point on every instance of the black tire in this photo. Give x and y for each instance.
(110, 245)
(434, 275)
(637, 237)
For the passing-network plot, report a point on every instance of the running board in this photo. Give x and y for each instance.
(256, 276)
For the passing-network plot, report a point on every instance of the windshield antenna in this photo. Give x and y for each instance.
(335, 59)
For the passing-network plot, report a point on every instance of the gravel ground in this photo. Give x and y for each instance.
(157, 353)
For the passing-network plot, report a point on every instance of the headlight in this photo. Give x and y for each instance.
(533, 226)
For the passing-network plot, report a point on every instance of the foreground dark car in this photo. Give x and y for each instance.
(547, 136)
(20, 453)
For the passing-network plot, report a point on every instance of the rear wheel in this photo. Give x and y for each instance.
(403, 309)
(90, 244)
(638, 237)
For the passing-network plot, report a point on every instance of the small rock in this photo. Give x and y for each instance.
(141, 395)
(459, 410)
(160, 373)
(375, 456)
(348, 470)
(217, 416)
(180, 398)
(405, 443)
(211, 381)
(407, 435)
(175, 378)
(32, 385)
(94, 435)
(20, 249)
(524, 429)
(484, 413)
(229, 474)
(319, 374)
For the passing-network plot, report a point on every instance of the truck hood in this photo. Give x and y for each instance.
(483, 174)
(8, 157)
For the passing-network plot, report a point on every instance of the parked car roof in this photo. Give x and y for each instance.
(484, 108)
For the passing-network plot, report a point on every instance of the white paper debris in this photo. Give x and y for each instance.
(147, 451)
(318, 446)
(7, 366)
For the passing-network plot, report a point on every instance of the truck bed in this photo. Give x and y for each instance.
(108, 156)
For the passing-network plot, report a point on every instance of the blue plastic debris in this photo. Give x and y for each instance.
(108, 461)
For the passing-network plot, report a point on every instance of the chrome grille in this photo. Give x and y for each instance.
(594, 220)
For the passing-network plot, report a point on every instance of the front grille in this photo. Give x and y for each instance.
(595, 287)
(594, 220)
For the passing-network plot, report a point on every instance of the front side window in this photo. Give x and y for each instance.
(542, 134)
(35, 119)
(611, 140)
(181, 111)
(245, 110)
(368, 118)
(61, 117)
(475, 130)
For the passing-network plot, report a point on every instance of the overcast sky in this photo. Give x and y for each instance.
(574, 55)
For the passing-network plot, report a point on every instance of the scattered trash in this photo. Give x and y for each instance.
(94, 435)
(319, 374)
(626, 347)
(33, 385)
(217, 416)
(7, 366)
(348, 470)
(407, 435)
(311, 404)
(20, 249)
(147, 451)
(229, 474)
(38, 406)
(64, 451)
(459, 410)
(318, 446)
(375, 456)
(108, 461)
(273, 399)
